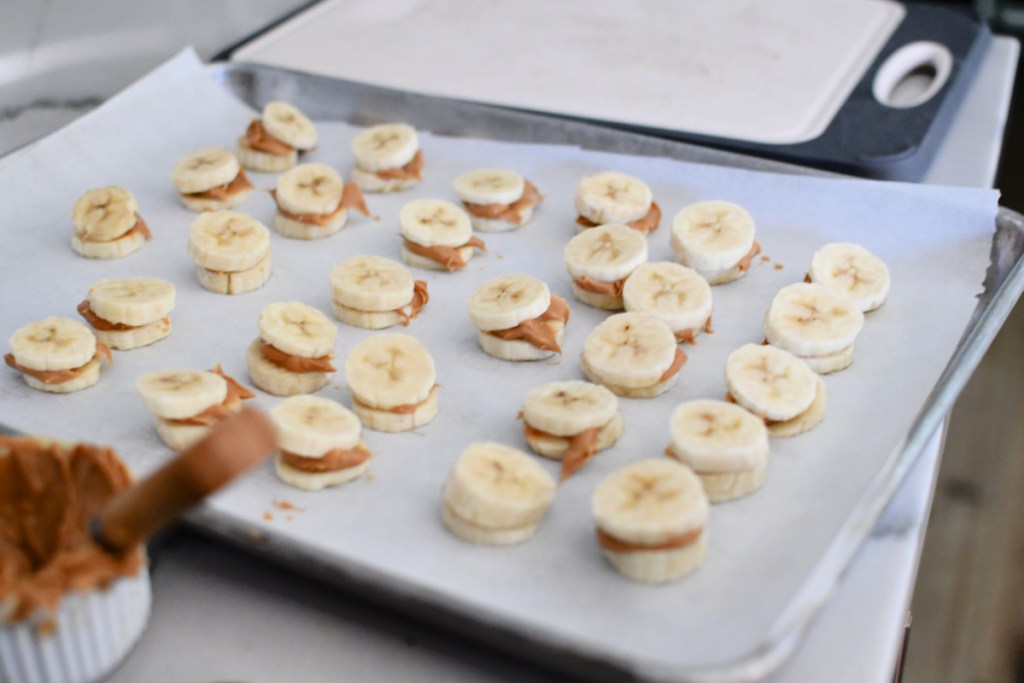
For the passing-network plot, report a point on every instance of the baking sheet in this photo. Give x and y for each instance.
(556, 588)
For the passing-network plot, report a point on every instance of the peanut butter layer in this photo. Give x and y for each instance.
(449, 257)
(241, 183)
(403, 409)
(690, 336)
(420, 297)
(609, 542)
(510, 213)
(807, 278)
(539, 331)
(257, 138)
(140, 228)
(49, 493)
(85, 310)
(351, 198)
(215, 413)
(613, 288)
(411, 171)
(744, 263)
(61, 376)
(677, 363)
(287, 361)
(647, 223)
(331, 461)
(582, 447)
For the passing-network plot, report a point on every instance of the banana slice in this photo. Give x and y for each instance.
(227, 241)
(204, 170)
(726, 446)
(435, 223)
(851, 270)
(676, 294)
(132, 301)
(651, 518)
(770, 382)
(392, 380)
(312, 426)
(387, 146)
(181, 394)
(612, 197)
(289, 125)
(297, 329)
(715, 238)
(633, 354)
(309, 189)
(506, 301)
(495, 495)
(371, 283)
(815, 323)
(52, 344)
(104, 214)
(489, 186)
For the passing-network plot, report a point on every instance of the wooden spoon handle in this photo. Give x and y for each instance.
(232, 446)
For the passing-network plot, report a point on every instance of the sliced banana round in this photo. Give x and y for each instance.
(630, 350)
(309, 189)
(712, 235)
(179, 394)
(676, 294)
(311, 426)
(435, 223)
(227, 241)
(54, 343)
(506, 301)
(371, 283)
(390, 370)
(289, 125)
(297, 329)
(612, 197)
(390, 145)
(854, 271)
(769, 381)
(812, 320)
(716, 436)
(132, 301)
(605, 253)
(104, 214)
(569, 408)
(496, 494)
(205, 169)
(489, 186)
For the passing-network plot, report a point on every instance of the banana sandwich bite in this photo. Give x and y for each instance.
(651, 519)
(612, 197)
(313, 202)
(571, 421)
(57, 355)
(725, 445)
(495, 495)
(273, 141)
(211, 180)
(374, 292)
(388, 158)
(294, 351)
(633, 354)
(776, 386)
(676, 294)
(497, 199)
(231, 251)
(107, 224)
(815, 323)
(852, 270)
(128, 313)
(437, 235)
(320, 443)
(600, 260)
(393, 382)
(518, 318)
(716, 239)
(187, 403)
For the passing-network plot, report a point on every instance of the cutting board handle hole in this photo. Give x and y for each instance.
(913, 74)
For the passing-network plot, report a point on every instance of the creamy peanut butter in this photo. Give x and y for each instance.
(539, 331)
(351, 198)
(215, 413)
(420, 297)
(647, 223)
(331, 461)
(677, 363)
(140, 228)
(449, 257)
(510, 213)
(240, 183)
(257, 138)
(61, 376)
(287, 361)
(609, 542)
(744, 263)
(613, 288)
(411, 171)
(582, 447)
(403, 409)
(690, 336)
(85, 310)
(49, 494)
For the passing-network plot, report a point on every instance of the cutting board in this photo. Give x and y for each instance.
(856, 85)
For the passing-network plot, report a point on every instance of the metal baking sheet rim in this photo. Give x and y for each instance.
(1004, 284)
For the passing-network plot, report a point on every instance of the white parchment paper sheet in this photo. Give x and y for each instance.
(557, 586)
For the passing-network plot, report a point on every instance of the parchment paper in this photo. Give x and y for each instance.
(557, 587)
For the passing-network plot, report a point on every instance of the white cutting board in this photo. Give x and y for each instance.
(768, 71)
